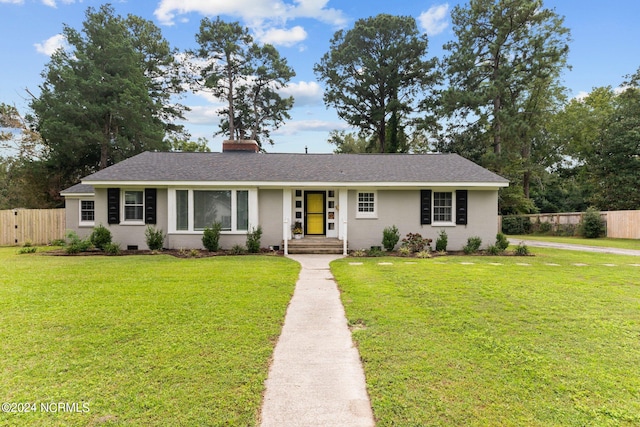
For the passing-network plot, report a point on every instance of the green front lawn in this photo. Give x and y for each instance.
(142, 340)
(603, 241)
(549, 343)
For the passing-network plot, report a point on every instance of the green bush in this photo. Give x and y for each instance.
(516, 225)
(57, 242)
(375, 251)
(154, 237)
(211, 237)
(112, 248)
(238, 249)
(253, 240)
(424, 254)
(545, 227)
(75, 244)
(473, 245)
(390, 238)
(521, 249)
(502, 243)
(441, 241)
(404, 251)
(27, 250)
(592, 226)
(100, 237)
(494, 250)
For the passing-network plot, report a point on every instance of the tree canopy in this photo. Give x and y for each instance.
(246, 76)
(377, 73)
(503, 75)
(107, 97)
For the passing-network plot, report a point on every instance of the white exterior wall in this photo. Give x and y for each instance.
(402, 209)
(393, 207)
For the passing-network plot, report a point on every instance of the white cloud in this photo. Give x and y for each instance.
(52, 3)
(204, 115)
(294, 127)
(434, 20)
(282, 37)
(251, 11)
(305, 93)
(49, 46)
(12, 1)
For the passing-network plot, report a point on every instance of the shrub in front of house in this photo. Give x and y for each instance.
(211, 237)
(154, 237)
(521, 250)
(75, 244)
(441, 241)
(473, 245)
(404, 251)
(494, 250)
(416, 243)
(100, 237)
(238, 249)
(253, 240)
(112, 248)
(502, 243)
(390, 238)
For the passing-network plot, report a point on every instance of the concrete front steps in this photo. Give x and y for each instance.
(315, 245)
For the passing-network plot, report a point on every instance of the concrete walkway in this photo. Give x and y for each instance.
(316, 378)
(568, 246)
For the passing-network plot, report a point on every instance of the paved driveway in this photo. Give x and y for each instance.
(572, 247)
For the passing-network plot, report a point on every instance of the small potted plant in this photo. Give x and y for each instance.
(297, 230)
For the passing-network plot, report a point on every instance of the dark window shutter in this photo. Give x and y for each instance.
(113, 205)
(461, 207)
(425, 206)
(150, 205)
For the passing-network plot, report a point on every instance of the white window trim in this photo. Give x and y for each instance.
(172, 214)
(125, 221)
(367, 215)
(451, 223)
(82, 223)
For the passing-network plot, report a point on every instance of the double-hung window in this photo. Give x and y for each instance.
(196, 210)
(366, 204)
(442, 207)
(87, 212)
(133, 205)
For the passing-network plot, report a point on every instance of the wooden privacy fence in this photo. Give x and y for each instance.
(36, 226)
(618, 224)
(623, 224)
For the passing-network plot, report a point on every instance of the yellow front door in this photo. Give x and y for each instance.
(315, 213)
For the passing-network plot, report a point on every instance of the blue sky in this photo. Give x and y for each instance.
(605, 46)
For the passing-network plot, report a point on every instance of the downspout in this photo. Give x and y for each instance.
(285, 238)
(344, 239)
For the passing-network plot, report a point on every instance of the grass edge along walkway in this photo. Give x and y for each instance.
(551, 342)
(143, 340)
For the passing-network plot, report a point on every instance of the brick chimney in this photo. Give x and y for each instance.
(242, 145)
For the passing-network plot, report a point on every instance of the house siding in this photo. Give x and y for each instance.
(402, 209)
(270, 217)
(131, 234)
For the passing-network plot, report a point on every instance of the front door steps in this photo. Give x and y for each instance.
(315, 245)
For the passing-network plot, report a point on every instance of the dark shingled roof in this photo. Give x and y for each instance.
(275, 167)
(78, 189)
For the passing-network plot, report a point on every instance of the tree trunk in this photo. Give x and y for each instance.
(104, 144)
(232, 128)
